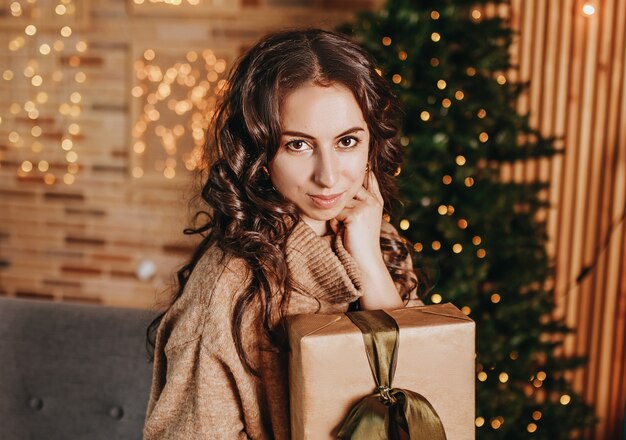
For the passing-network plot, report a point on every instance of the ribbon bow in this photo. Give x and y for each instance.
(389, 413)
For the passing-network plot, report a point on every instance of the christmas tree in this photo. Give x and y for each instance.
(476, 234)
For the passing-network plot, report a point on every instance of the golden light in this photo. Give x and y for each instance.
(460, 160)
(73, 129)
(457, 248)
(418, 247)
(435, 36)
(470, 71)
(441, 84)
(447, 179)
(459, 95)
(81, 46)
(589, 9)
(476, 240)
(75, 97)
(44, 49)
(386, 41)
(541, 375)
(29, 71)
(531, 427)
(14, 137)
(476, 14)
(71, 156)
(396, 79)
(442, 210)
(424, 116)
(462, 223)
(436, 298)
(495, 298)
(137, 172)
(27, 166)
(7, 75)
(66, 31)
(402, 55)
(565, 399)
(136, 91)
(469, 181)
(149, 54)
(36, 131)
(60, 9)
(482, 113)
(30, 30)
(42, 97)
(446, 103)
(68, 179)
(16, 9)
(501, 79)
(483, 137)
(67, 144)
(482, 376)
(397, 172)
(72, 168)
(434, 62)
(496, 423)
(49, 179)
(536, 415)
(58, 45)
(139, 147)
(80, 77)
(404, 224)
(169, 172)
(43, 166)
(481, 253)
(503, 377)
(479, 422)
(434, 15)
(436, 245)
(466, 310)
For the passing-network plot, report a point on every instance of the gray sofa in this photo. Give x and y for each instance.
(72, 371)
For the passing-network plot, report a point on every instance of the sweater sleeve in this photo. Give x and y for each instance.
(200, 398)
(201, 389)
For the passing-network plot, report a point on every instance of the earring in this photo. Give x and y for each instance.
(265, 170)
(367, 167)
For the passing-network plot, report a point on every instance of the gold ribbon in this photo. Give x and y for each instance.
(389, 413)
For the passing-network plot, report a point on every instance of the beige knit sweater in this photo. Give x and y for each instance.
(200, 389)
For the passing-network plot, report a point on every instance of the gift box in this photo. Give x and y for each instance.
(383, 374)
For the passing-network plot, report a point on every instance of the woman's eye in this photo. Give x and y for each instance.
(297, 145)
(348, 142)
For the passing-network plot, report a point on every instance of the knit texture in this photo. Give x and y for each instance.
(200, 388)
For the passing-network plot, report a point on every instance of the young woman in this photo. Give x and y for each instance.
(301, 167)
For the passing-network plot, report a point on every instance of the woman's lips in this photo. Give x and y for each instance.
(326, 202)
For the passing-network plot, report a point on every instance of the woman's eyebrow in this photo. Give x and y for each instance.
(308, 136)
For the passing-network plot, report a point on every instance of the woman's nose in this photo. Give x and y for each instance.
(326, 169)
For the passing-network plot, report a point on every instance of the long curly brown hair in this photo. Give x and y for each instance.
(248, 218)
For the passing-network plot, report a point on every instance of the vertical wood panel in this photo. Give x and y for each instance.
(578, 91)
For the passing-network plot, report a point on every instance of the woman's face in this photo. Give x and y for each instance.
(320, 163)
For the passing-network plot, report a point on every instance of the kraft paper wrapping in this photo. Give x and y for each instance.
(329, 371)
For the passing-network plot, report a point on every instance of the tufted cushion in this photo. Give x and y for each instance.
(70, 371)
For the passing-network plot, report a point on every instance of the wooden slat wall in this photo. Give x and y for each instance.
(578, 91)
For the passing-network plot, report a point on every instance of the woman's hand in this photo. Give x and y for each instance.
(359, 223)
(361, 219)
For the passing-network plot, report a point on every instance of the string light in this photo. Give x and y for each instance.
(589, 9)
(404, 224)
(436, 298)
